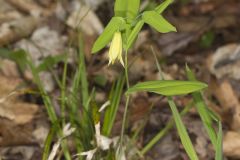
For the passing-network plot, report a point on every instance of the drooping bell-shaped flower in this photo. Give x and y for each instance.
(115, 51)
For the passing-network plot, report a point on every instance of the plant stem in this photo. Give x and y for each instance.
(63, 90)
(127, 101)
(126, 69)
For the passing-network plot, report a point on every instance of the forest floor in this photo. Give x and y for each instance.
(207, 40)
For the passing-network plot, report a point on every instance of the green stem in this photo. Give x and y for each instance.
(127, 101)
(63, 90)
(126, 69)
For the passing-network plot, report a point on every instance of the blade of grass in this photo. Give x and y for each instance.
(83, 122)
(49, 107)
(63, 91)
(111, 111)
(219, 147)
(83, 73)
(185, 139)
(48, 141)
(219, 150)
(203, 111)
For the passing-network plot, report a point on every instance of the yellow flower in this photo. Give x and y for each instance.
(115, 51)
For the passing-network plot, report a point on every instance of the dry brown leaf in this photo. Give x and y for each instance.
(229, 102)
(19, 152)
(17, 29)
(202, 145)
(15, 115)
(225, 62)
(166, 148)
(9, 68)
(27, 6)
(231, 144)
(11, 107)
(12, 134)
(85, 19)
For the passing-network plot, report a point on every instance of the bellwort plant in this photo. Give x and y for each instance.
(122, 31)
(79, 115)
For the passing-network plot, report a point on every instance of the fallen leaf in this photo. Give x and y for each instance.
(17, 29)
(231, 144)
(225, 62)
(230, 106)
(11, 107)
(85, 19)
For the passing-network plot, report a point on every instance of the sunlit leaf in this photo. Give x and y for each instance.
(163, 6)
(158, 22)
(106, 36)
(120, 8)
(133, 8)
(168, 87)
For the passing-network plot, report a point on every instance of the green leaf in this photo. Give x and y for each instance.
(48, 142)
(203, 110)
(111, 111)
(82, 73)
(159, 9)
(133, 8)
(168, 87)
(133, 35)
(157, 22)
(120, 8)
(114, 24)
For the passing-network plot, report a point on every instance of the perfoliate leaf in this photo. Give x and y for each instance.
(157, 22)
(133, 35)
(168, 87)
(114, 24)
(133, 8)
(159, 9)
(120, 8)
